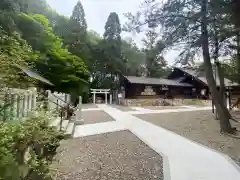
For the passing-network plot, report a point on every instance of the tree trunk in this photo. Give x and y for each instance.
(223, 117)
(219, 70)
(238, 52)
(221, 81)
(222, 90)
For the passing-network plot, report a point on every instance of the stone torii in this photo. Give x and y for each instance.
(101, 91)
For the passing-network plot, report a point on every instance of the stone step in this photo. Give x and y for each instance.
(64, 125)
(70, 129)
(67, 126)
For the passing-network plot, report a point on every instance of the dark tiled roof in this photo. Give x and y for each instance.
(200, 75)
(155, 81)
(34, 75)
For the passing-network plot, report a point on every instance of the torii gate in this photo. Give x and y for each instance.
(101, 91)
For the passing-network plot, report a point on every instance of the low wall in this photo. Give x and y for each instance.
(163, 102)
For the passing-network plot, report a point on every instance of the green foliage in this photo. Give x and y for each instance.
(29, 40)
(155, 62)
(112, 48)
(78, 17)
(27, 149)
(76, 35)
(66, 71)
(135, 58)
(14, 50)
(112, 40)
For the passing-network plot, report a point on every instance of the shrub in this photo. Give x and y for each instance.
(27, 149)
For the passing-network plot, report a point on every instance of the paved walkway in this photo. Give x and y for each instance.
(183, 159)
(182, 109)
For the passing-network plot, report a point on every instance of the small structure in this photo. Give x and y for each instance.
(101, 91)
(144, 87)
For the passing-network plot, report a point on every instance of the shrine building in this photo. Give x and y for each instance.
(187, 83)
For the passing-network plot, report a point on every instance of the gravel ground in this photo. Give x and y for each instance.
(123, 108)
(91, 117)
(199, 126)
(87, 106)
(111, 156)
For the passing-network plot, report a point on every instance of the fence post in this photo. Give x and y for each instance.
(25, 104)
(110, 99)
(29, 101)
(21, 103)
(11, 103)
(18, 106)
(48, 102)
(14, 105)
(79, 120)
(34, 99)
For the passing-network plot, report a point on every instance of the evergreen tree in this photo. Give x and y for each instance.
(76, 34)
(112, 48)
(78, 17)
(113, 44)
(113, 28)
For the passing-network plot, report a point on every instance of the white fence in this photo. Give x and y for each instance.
(57, 100)
(17, 103)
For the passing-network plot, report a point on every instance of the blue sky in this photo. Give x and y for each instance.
(97, 12)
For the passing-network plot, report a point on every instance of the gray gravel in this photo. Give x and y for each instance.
(87, 106)
(111, 156)
(199, 126)
(91, 117)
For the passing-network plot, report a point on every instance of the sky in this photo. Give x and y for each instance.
(97, 12)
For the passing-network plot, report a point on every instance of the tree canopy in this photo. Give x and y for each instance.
(31, 41)
(66, 52)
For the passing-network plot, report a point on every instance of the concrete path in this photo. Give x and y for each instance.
(187, 160)
(91, 109)
(98, 128)
(183, 109)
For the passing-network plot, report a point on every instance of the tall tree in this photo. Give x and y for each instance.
(78, 17)
(76, 34)
(112, 47)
